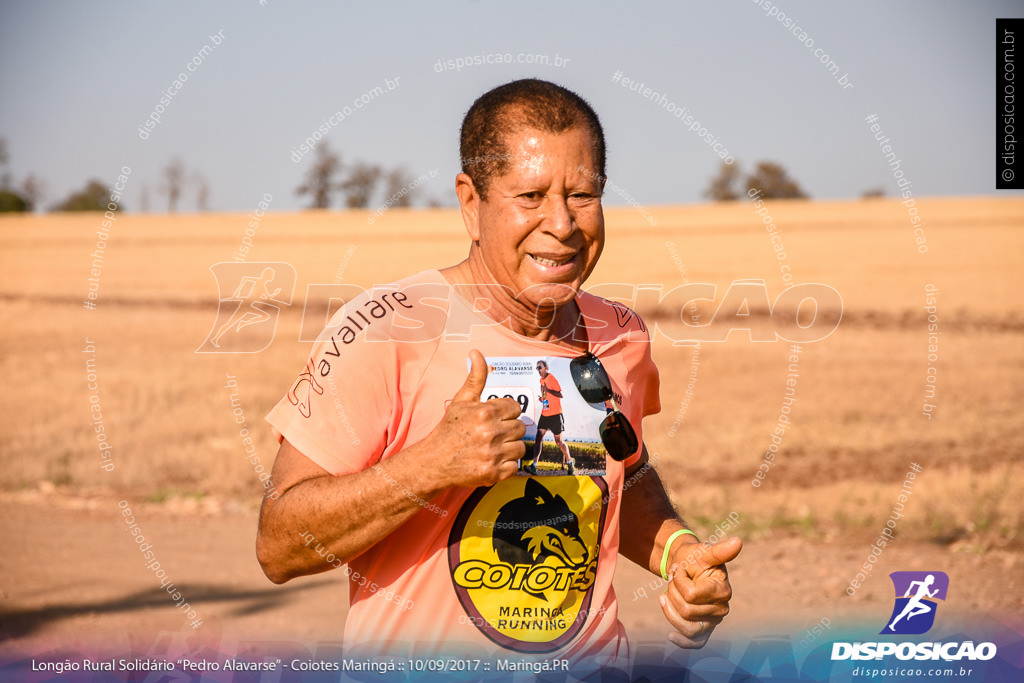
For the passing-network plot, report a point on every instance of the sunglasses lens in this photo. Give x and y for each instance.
(591, 379)
(618, 436)
(595, 386)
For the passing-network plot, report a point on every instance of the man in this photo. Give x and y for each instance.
(551, 419)
(389, 465)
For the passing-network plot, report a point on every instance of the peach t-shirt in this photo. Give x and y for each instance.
(554, 407)
(522, 568)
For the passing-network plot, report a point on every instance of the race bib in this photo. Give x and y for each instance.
(566, 426)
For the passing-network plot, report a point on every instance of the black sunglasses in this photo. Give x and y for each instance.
(595, 386)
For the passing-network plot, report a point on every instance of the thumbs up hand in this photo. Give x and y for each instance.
(699, 592)
(478, 444)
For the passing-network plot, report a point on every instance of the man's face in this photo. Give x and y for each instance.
(543, 370)
(541, 229)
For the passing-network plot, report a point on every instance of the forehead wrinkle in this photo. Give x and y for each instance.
(533, 163)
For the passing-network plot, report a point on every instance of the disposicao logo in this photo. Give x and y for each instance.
(251, 296)
(917, 596)
(916, 601)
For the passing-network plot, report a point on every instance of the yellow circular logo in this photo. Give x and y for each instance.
(523, 558)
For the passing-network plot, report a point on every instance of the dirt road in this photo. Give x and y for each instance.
(73, 578)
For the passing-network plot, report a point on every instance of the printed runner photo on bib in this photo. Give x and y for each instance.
(569, 426)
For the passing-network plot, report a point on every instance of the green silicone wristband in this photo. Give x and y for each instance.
(668, 546)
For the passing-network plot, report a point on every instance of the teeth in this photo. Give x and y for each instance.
(548, 262)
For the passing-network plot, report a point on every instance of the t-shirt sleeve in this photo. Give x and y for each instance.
(645, 382)
(652, 383)
(338, 410)
(552, 383)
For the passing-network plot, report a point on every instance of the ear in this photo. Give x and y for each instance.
(534, 489)
(469, 201)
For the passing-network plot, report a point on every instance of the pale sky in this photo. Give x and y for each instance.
(79, 79)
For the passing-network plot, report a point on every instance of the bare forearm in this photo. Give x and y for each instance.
(647, 519)
(345, 515)
(477, 443)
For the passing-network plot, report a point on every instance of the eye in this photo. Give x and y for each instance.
(531, 200)
(582, 197)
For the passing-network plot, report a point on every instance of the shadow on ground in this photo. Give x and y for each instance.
(20, 623)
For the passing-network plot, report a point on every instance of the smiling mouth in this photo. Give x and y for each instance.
(552, 263)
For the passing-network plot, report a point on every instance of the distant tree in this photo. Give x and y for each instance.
(5, 175)
(32, 189)
(724, 187)
(25, 198)
(320, 184)
(360, 184)
(94, 197)
(773, 182)
(12, 202)
(447, 199)
(173, 182)
(397, 190)
(873, 193)
(202, 191)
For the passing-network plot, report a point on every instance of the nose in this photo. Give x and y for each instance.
(560, 222)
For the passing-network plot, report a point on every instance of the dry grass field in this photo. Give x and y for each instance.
(857, 423)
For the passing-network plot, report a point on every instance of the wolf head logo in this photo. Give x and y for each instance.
(523, 559)
(539, 528)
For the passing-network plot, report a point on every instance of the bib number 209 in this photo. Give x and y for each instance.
(522, 399)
